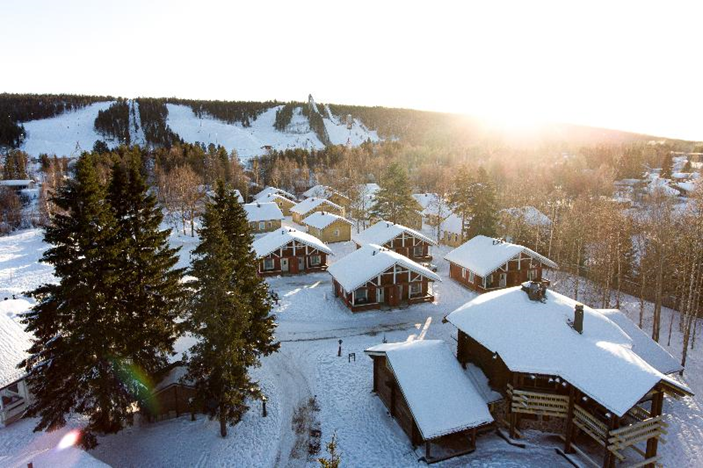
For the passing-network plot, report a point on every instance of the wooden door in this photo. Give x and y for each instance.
(301, 263)
(284, 264)
(503, 280)
(381, 295)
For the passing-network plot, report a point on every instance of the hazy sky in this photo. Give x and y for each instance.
(629, 65)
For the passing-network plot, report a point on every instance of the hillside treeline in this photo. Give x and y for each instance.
(18, 108)
(242, 112)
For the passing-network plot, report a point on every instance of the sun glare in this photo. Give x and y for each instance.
(69, 440)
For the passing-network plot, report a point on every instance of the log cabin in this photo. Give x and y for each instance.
(310, 205)
(289, 251)
(285, 204)
(328, 227)
(429, 396)
(373, 277)
(569, 369)
(484, 264)
(172, 397)
(263, 217)
(403, 240)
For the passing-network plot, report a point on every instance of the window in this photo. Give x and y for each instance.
(418, 251)
(315, 260)
(336, 233)
(361, 296)
(463, 272)
(268, 264)
(471, 277)
(270, 224)
(415, 289)
(262, 225)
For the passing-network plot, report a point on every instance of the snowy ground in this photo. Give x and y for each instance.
(310, 388)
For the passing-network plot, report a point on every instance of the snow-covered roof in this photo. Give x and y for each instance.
(239, 196)
(530, 215)
(534, 337)
(262, 211)
(282, 237)
(311, 203)
(424, 199)
(452, 224)
(16, 182)
(643, 345)
(322, 219)
(369, 261)
(274, 190)
(14, 340)
(319, 191)
(483, 255)
(385, 231)
(272, 197)
(441, 397)
(687, 186)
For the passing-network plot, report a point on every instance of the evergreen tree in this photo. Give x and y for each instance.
(77, 360)
(484, 210)
(151, 291)
(394, 201)
(667, 166)
(230, 313)
(461, 198)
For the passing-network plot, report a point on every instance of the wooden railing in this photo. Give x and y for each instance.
(628, 436)
(543, 404)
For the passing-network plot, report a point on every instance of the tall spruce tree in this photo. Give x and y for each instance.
(394, 201)
(461, 198)
(230, 313)
(109, 322)
(76, 362)
(474, 200)
(151, 292)
(484, 209)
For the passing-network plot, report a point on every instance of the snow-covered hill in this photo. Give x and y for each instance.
(67, 134)
(64, 135)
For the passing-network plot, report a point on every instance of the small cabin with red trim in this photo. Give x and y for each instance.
(289, 251)
(373, 277)
(403, 240)
(484, 264)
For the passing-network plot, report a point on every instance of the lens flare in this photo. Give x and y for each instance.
(70, 439)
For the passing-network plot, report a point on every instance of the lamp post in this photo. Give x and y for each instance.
(263, 405)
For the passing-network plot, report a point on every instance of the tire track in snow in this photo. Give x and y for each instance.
(295, 391)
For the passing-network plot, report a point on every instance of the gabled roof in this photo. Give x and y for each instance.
(319, 191)
(385, 231)
(322, 219)
(369, 261)
(16, 182)
(272, 197)
(643, 345)
(483, 255)
(424, 199)
(441, 397)
(268, 190)
(530, 215)
(281, 237)
(534, 337)
(311, 203)
(452, 224)
(14, 340)
(262, 211)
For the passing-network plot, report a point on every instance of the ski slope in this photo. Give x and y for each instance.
(251, 141)
(65, 135)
